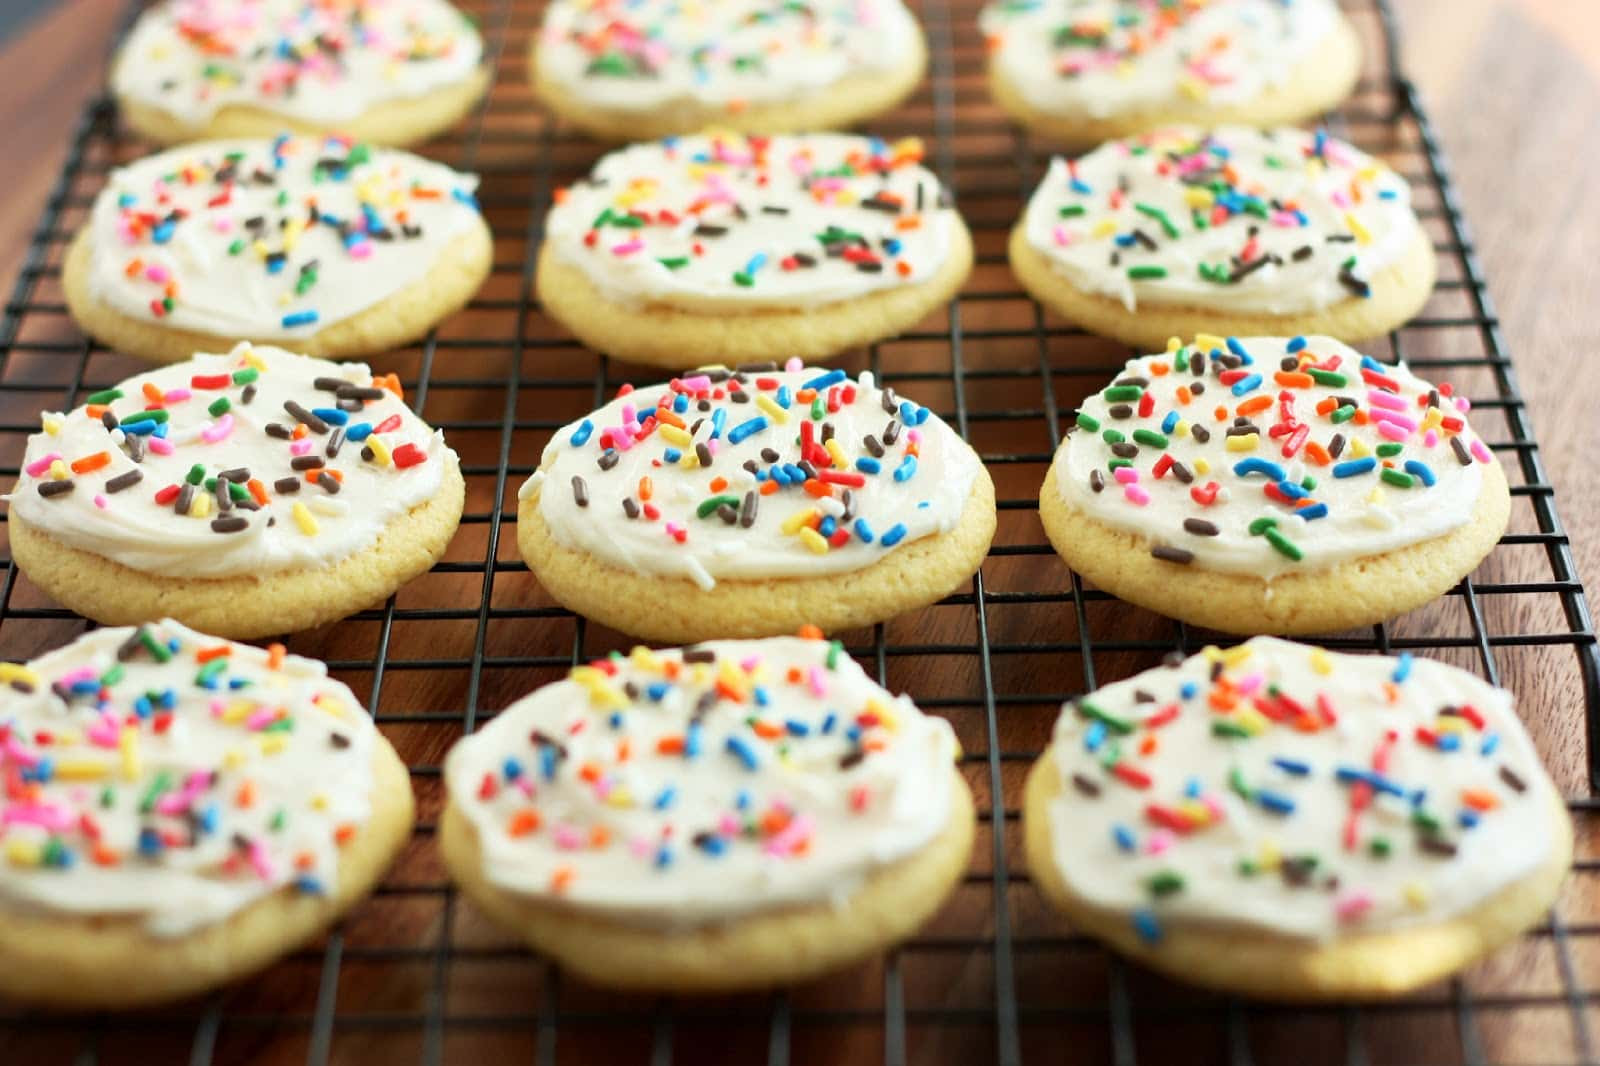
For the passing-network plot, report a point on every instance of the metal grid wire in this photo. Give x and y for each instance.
(414, 974)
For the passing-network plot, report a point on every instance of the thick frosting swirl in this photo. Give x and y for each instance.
(1276, 221)
(653, 55)
(753, 475)
(692, 786)
(159, 773)
(271, 239)
(1267, 456)
(252, 462)
(1279, 787)
(311, 61)
(725, 222)
(1102, 58)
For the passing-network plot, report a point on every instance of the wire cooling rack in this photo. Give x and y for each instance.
(415, 975)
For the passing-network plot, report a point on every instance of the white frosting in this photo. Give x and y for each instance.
(665, 793)
(725, 222)
(1231, 786)
(656, 55)
(1276, 221)
(1257, 476)
(178, 791)
(917, 488)
(380, 220)
(306, 528)
(1106, 58)
(323, 63)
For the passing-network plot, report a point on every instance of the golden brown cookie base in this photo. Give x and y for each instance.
(1398, 292)
(111, 961)
(754, 951)
(853, 99)
(659, 335)
(1356, 592)
(393, 322)
(1257, 963)
(1320, 84)
(677, 611)
(243, 608)
(396, 123)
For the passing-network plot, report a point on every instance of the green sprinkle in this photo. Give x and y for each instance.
(1308, 483)
(1088, 422)
(1379, 847)
(236, 246)
(158, 415)
(1343, 414)
(709, 505)
(238, 491)
(1181, 360)
(282, 725)
(162, 782)
(1236, 782)
(835, 647)
(1284, 545)
(627, 222)
(1232, 730)
(280, 818)
(1165, 883)
(1214, 273)
(819, 410)
(196, 474)
(1398, 478)
(1121, 393)
(1146, 272)
(105, 396)
(245, 376)
(1073, 211)
(674, 262)
(1328, 377)
(1390, 449)
(210, 670)
(1424, 821)
(1112, 722)
(741, 278)
(158, 651)
(1248, 868)
(108, 798)
(1262, 524)
(601, 219)
(1160, 216)
(359, 153)
(1150, 437)
(1113, 436)
(219, 407)
(1114, 464)
(113, 675)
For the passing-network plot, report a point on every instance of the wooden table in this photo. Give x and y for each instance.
(1530, 193)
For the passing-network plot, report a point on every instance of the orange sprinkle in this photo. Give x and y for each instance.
(275, 654)
(95, 410)
(806, 395)
(390, 381)
(1184, 395)
(1361, 417)
(300, 431)
(1160, 369)
(258, 491)
(589, 772)
(820, 489)
(718, 484)
(90, 463)
(304, 860)
(216, 651)
(245, 797)
(1221, 412)
(669, 418)
(1326, 404)
(152, 393)
(766, 730)
(646, 488)
(1391, 692)
(561, 194)
(344, 834)
(1479, 800)
(774, 821)
(909, 222)
(1222, 699)
(523, 822)
(599, 836)
(810, 632)
(561, 879)
(794, 675)
(1148, 744)
(132, 269)
(1254, 404)
(768, 487)
(313, 475)
(1318, 453)
(669, 746)
(1290, 379)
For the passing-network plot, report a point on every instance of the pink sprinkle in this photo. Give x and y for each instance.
(260, 719)
(1480, 452)
(1352, 906)
(1136, 495)
(176, 395)
(603, 787)
(698, 383)
(794, 363)
(673, 529)
(104, 733)
(1431, 438)
(525, 786)
(1213, 807)
(1379, 398)
(300, 447)
(216, 706)
(1285, 219)
(815, 682)
(1159, 841)
(630, 417)
(627, 247)
(45, 815)
(641, 847)
(1249, 683)
(157, 273)
(41, 464)
(1062, 238)
(260, 861)
(219, 431)
(1391, 431)
(1463, 404)
(568, 838)
(792, 836)
(749, 663)
(1339, 198)
(727, 825)
(222, 224)
(159, 445)
(360, 250)
(100, 501)
(1127, 475)
(1405, 423)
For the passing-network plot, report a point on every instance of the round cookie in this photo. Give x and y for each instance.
(1086, 71)
(728, 816)
(181, 811)
(1272, 486)
(386, 71)
(250, 493)
(1232, 231)
(629, 70)
(750, 503)
(721, 248)
(322, 246)
(1284, 822)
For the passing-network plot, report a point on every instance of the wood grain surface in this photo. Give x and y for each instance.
(416, 975)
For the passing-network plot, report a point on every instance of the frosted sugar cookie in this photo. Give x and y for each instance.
(625, 70)
(1266, 485)
(749, 503)
(250, 493)
(386, 71)
(320, 245)
(722, 248)
(181, 811)
(1235, 231)
(1288, 823)
(1086, 71)
(731, 815)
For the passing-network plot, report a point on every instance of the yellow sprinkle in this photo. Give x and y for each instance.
(79, 770)
(10, 672)
(1104, 228)
(51, 424)
(1244, 442)
(1202, 465)
(380, 450)
(1417, 894)
(1198, 197)
(677, 436)
(796, 521)
(319, 802)
(1253, 721)
(233, 758)
(1236, 654)
(886, 715)
(1432, 419)
(24, 852)
(1193, 88)
(1367, 173)
(619, 797)
(701, 674)
(1196, 812)
(1270, 857)
(237, 711)
(1449, 723)
(249, 355)
(260, 248)
(1375, 496)
(200, 506)
(770, 406)
(688, 460)
(840, 462)
(1363, 235)
(1212, 653)
(734, 678)
(1173, 345)
(1180, 428)
(303, 519)
(1321, 662)
(1208, 341)
(128, 747)
(1358, 449)
(59, 471)
(271, 743)
(645, 659)
(814, 540)
(333, 706)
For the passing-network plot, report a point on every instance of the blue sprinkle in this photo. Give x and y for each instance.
(1188, 690)
(761, 475)
(149, 842)
(1236, 348)
(663, 857)
(712, 844)
(1147, 925)
(863, 531)
(1418, 798)
(1291, 490)
(1249, 384)
(308, 885)
(852, 733)
(1355, 467)
(1348, 774)
(1124, 837)
(547, 761)
(1315, 511)
(1292, 766)
(331, 415)
(462, 197)
(680, 404)
(828, 723)
(163, 231)
(1081, 188)
(1402, 669)
(209, 817)
(756, 262)
(742, 799)
(671, 455)
(796, 475)
(358, 432)
(1296, 344)
(665, 797)
(868, 465)
(895, 535)
(1421, 471)
(298, 318)
(657, 691)
(580, 436)
(826, 527)
(823, 381)
(1191, 788)
(1449, 742)
(1124, 240)
(1372, 364)
(691, 741)
(1274, 802)
(1387, 194)
(615, 720)
(1468, 819)
(1257, 465)
(275, 266)
(512, 769)
(1094, 736)
(1169, 423)
(741, 749)
(782, 397)
(761, 696)
(1490, 742)
(746, 428)
(907, 469)
(796, 727)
